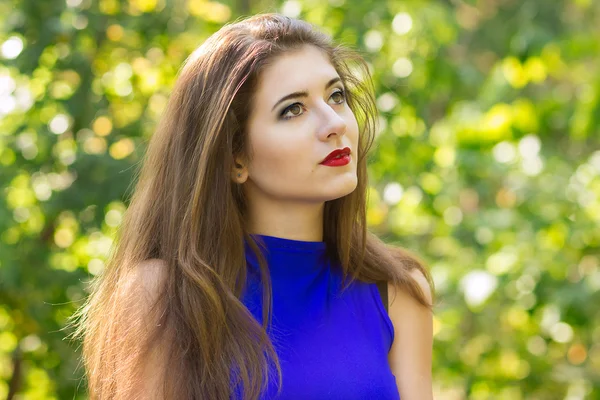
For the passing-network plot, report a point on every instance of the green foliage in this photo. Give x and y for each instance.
(487, 164)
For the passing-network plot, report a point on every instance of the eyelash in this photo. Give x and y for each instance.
(285, 110)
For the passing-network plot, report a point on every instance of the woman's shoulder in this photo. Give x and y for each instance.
(415, 268)
(421, 280)
(147, 278)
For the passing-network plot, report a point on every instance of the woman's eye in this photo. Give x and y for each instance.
(338, 97)
(297, 109)
(292, 111)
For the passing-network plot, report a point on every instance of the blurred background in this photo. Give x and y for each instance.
(487, 163)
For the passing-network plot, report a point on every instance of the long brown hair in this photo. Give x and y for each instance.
(187, 211)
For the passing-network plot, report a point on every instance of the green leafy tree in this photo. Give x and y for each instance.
(487, 163)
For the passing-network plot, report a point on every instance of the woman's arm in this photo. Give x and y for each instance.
(140, 371)
(410, 355)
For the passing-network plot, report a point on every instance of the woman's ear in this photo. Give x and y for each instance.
(240, 172)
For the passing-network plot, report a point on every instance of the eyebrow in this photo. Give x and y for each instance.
(304, 93)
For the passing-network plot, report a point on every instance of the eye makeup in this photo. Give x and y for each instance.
(282, 114)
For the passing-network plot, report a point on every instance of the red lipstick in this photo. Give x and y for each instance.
(337, 157)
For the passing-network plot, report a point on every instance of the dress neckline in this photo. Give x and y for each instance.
(278, 243)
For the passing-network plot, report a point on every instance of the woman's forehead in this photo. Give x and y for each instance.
(305, 69)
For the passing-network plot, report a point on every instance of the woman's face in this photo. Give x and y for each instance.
(298, 117)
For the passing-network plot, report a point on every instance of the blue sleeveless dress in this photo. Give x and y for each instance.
(330, 345)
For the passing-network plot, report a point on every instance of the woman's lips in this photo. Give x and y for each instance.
(337, 162)
(338, 157)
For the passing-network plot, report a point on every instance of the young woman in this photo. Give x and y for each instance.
(244, 268)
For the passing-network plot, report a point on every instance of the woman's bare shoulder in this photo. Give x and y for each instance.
(147, 278)
(421, 281)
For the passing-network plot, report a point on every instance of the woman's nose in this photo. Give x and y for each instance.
(332, 123)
